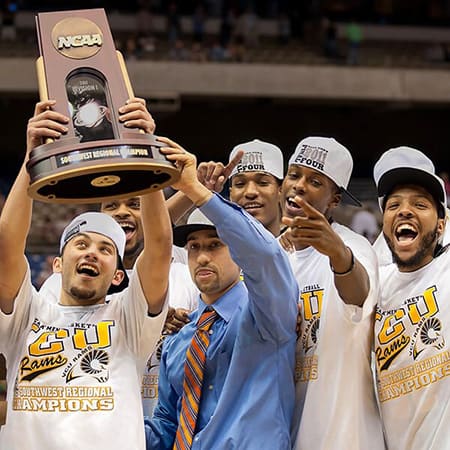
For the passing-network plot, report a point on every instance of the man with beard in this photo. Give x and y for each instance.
(67, 362)
(337, 274)
(412, 353)
(246, 398)
(182, 297)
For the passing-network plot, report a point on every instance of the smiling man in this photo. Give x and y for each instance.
(337, 274)
(127, 213)
(255, 182)
(255, 171)
(67, 362)
(412, 324)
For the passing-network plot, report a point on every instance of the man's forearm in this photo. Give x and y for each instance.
(197, 193)
(153, 264)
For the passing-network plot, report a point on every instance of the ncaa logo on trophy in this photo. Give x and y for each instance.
(98, 158)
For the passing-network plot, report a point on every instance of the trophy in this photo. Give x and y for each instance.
(98, 158)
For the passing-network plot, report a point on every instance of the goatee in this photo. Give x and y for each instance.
(429, 241)
(82, 294)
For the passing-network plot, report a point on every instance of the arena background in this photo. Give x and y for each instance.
(285, 73)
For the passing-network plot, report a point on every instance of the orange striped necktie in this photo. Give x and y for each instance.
(194, 367)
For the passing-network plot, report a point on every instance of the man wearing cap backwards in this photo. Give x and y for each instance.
(67, 362)
(247, 397)
(412, 322)
(255, 170)
(183, 293)
(337, 274)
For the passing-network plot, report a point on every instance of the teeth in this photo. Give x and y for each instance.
(128, 225)
(88, 268)
(405, 232)
(252, 205)
(292, 202)
(405, 227)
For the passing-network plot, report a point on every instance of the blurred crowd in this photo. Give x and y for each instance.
(228, 31)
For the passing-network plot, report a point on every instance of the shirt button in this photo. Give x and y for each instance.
(196, 438)
(210, 331)
(210, 387)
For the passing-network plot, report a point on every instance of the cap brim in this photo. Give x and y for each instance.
(406, 175)
(349, 198)
(181, 233)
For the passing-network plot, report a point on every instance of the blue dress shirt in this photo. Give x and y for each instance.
(248, 389)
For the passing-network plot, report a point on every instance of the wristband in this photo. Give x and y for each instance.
(352, 265)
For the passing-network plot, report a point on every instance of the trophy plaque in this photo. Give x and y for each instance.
(98, 158)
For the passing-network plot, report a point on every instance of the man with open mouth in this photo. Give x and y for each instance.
(412, 318)
(126, 211)
(75, 366)
(337, 273)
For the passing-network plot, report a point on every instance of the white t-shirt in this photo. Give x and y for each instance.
(74, 373)
(183, 294)
(412, 355)
(336, 406)
(179, 255)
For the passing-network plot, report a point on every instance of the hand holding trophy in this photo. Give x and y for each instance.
(99, 157)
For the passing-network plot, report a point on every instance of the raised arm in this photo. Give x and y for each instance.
(211, 174)
(154, 261)
(350, 277)
(267, 273)
(15, 219)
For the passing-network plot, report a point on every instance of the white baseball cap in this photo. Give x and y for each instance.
(196, 221)
(406, 165)
(327, 156)
(259, 156)
(95, 222)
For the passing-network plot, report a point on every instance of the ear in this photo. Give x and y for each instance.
(118, 277)
(440, 227)
(57, 264)
(335, 200)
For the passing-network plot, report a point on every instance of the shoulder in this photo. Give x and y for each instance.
(352, 239)
(361, 248)
(387, 271)
(51, 288)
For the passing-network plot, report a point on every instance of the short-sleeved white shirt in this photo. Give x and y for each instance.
(74, 373)
(336, 406)
(183, 294)
(412, 355)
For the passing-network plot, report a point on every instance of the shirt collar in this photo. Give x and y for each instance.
(226, 305)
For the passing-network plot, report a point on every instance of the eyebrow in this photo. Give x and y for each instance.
(424, 196)
(257, 173)
(86, 236)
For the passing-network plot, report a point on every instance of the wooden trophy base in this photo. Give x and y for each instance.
(96, 171)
